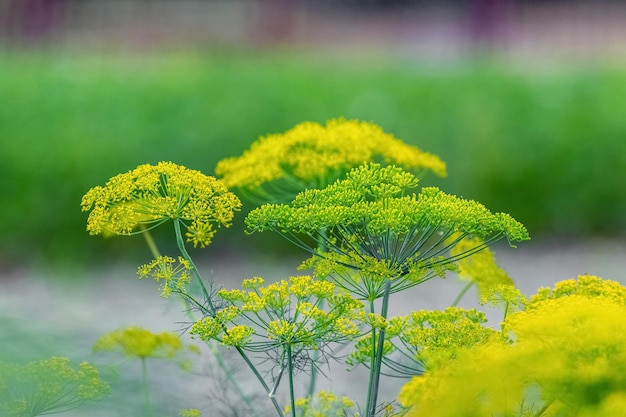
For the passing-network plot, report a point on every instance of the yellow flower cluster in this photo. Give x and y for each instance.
(567, 357)
(190, 412)
(150, 195)
(312, 156)
(47, 386)
(175, 274)
(282, 313)
(480, 268)
(587, 285)
(140, 343)
(371, 222)
(327, 404)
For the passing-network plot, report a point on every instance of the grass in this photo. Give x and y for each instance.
(548, 147)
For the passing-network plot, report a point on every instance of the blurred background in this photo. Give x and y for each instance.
(524, 100)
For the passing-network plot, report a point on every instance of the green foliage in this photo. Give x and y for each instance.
(519, 143)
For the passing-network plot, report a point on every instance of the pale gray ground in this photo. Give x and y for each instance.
(40, 317)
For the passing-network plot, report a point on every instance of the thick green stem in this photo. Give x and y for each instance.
(154, 250)
(370, 382)
(378, 357)
(291, 389)
(183, 250)
(462, 293)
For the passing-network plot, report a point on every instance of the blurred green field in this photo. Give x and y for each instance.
(546, 145)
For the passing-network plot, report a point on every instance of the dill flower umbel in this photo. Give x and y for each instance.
(566, 356)
(48, 386)
(371, 222)
(310, 155)
(283, 320)
(324, 404)
(150, 195)
(140, 343)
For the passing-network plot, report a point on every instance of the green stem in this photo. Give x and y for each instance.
(154, 250)
(144, 386)
(183, 250)
(462, 293)
(181, 246)
(291, 389)
(375, 371)
(370, 382)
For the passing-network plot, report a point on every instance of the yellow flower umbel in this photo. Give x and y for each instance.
(566, 357)
(325, 404)
(284, 320)
(140, 343)
(47, 386)
(276, 167)
(150, 195)
(371, 222)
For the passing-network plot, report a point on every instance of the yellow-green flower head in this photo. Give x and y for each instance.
(173, 274)
(585, 285)
(568, 357)
(140, 343)
(299, 314)
(47, 386)
(436, 336)
(190, 412)
(311, 155)
(373, 222)
(150, 195)
(325, 404)
(480, 268)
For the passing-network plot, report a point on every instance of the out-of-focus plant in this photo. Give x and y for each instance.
(139, 343)
(277, 167)
(48, 386)
(564, 355)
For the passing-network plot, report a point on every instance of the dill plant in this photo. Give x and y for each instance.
(347, 193)
(48, 386)
(381, 238)
(563, 354)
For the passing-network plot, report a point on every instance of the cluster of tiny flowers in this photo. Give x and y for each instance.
(480, 268)
(173, 274)
(264, 317)
(47, 386)
(150, 195)
(372, 222)
(140, 343)
(565, 356)
(325, 404)
(190, 412)
(587, 285)
(311, 155)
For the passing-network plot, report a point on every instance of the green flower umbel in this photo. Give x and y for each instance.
(150, 195)
(276, 167)
(371, 223)
(48, 386)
